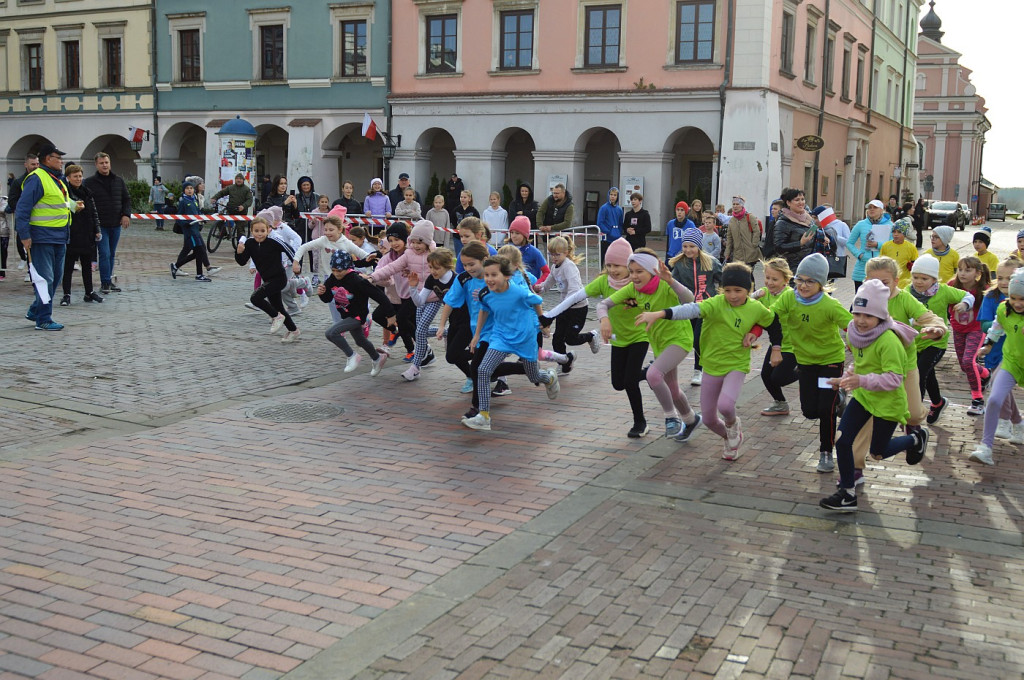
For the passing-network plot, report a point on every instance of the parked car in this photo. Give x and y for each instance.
(949, 213)
(997, 211)
(968, 212)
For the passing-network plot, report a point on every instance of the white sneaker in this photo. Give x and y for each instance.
(78, 267)
(276, 324)
(352, 363)
(303, 300)
(982, 454)
(212, 270)
(697, 378)
(378, 364)
(1004, 430)
(478, 422)
(411, 373)
(735, 435)
(291, 336)
(1017, 433)
(551, 385)
(252, 306)
(28, 278)
(21, 265)
(595, 342)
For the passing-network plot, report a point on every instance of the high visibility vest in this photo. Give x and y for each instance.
(54, 208)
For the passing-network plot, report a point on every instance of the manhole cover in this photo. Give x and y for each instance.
(297, 413)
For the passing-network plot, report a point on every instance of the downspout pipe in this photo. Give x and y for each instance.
(155, 154)
(387, 90)
(903, 103)
(821, 107)
(726, 81)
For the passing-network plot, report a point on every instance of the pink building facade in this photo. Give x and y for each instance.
(688, 98)
(949, 122)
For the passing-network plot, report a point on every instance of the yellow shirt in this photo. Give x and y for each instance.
(905, 254)
(947, 264)
(990, 259)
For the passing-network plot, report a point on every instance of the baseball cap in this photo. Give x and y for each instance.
(404, 175)
(875, 204)
(48, 149)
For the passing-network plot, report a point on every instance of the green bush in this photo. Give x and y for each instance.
(433, 190)
(174, 187)
(138, 189)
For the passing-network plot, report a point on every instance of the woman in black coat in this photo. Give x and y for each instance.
(279, 196)
(794, 238)
(85, 232)
(524, 204)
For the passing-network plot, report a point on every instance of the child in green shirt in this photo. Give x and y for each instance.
(876, 383)
(728, 320)
(927, 289)
(777, 276)
(652, 287)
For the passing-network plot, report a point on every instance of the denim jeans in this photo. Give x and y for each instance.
(48, 259)
(107, 251)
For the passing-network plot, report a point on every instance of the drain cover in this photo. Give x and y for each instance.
(297, 413)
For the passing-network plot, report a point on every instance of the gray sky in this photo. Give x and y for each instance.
(986, 32)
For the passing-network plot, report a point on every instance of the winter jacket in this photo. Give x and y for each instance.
(675, 230)
(640, 221)
(397, 195)
(743, 240)
(558, 217)
(110, 194)
(85, 224)
(377, 204)
(703, 283)
(609, 218)
(351, 205)
(239, 198)
(527, 208)
(787, 241)
(857, 243)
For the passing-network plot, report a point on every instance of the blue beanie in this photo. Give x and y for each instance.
(341, 260)
(694, 236)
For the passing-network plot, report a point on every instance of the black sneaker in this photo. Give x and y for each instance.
(935, 410)
(428, 359)
(93, 296)
(985, 381)
(111, 288)
(105, 289)
(501, 389)
(840, 501)
(65, 301)
(200, 277)
(174, 271)
(567, 366)
(916, 452)
(638, 430)
(471, 413)
(687, 430)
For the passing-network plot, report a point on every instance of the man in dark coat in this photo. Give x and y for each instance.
(114, 206)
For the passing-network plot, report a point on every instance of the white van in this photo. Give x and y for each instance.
(997, 211)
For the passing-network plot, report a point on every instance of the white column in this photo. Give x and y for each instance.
(482, 171)
(939, 166)
(965, 172)
(750, 165)
(656, 169)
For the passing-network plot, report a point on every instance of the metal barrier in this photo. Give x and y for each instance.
(586, 240)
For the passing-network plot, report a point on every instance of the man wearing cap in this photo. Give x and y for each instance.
(239, 196)
(43, 220)
(397, 195)
(867, 237)
(113, 206)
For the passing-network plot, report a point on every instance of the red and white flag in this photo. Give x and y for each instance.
(369, 127)
(136, 134)
(826, 217)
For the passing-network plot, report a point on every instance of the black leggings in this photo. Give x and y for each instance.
(406, 318)
(84, 257)
(457, 348)
(568, 325)
(5, 241)
(268, 298)
(503, 369)
(818, 402)
(696, 324)
(883, 444)
(777, 377)
(194, 249)
(927, 359)
(627, 372)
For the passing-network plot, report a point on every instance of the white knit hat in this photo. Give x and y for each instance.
(927, 265)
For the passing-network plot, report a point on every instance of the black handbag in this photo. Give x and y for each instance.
(836, 266)
(178, 229)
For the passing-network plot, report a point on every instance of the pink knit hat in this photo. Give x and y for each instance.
(521, 225)
(618, 252)
(423, 231)
(872, 298)
(339, 211)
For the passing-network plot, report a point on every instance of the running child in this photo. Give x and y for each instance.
(701, 274)
(1009, 421)
(628, 343)
(776, 278)
(982, 240)
(729, 320)
(519, 236)
(428, 296)
(469, 230)
(937, 297)
(972, 277)
(513, 331)
(324, 246)
(568, 324)
(1009, 323)
(266, 255)
(652, 287)
(878, 401)
(349, 293)
(459, 311)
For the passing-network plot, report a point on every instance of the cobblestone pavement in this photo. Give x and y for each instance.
(156, 524)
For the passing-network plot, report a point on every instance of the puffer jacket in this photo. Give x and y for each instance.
(398, 268)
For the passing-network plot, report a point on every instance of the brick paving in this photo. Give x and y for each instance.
(152, 528)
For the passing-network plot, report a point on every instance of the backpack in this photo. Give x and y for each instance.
(768, 249)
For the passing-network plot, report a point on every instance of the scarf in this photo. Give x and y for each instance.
(803, 218)
(617, 284)
(861, 340)
(925, 296)
(650, 287)
(740, 214)
(940, 253)
(811, 300)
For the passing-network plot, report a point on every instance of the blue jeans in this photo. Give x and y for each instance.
(48, 259)
(107, 250)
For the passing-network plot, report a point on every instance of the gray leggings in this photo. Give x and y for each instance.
(661, 376)
(490, 362)
(336, 334)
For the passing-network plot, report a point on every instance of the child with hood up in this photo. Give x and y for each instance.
(609, 220)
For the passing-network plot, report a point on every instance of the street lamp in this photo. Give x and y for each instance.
(136, 136)
(387, 152)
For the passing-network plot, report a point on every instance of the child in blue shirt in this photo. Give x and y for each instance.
(533, 259)
(675, 229)
(986, 315)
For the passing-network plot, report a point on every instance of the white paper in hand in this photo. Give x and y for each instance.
(42, 290)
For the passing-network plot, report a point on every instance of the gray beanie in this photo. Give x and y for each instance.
(1017, 284)
(945, 233)
(815, 267)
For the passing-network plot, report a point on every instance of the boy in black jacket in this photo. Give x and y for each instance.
(351, 293)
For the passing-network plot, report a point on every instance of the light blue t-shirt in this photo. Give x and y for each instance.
(515, 320)
(468, 294)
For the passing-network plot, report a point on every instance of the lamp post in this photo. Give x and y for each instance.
(136, 136)
(387, 152)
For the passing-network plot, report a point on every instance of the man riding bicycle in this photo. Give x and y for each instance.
(239, 196)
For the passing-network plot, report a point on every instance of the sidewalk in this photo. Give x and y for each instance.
(157, 524)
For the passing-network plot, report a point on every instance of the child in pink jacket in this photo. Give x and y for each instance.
(405, 258)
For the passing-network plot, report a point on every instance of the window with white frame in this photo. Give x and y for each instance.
(862, 55)
(516, 45)
(809, 51)
(920, 82)
(4, 33)
(270, 43)
(847, 68)
(69, 56)
(187, 32)
(110, 35)
(351, 25)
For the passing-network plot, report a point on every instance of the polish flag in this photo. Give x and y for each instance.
(136, 134)
(369, 127)
(827, 217)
